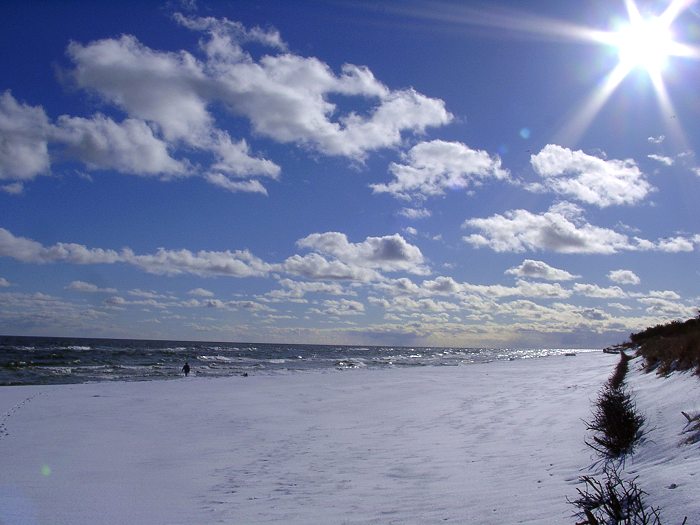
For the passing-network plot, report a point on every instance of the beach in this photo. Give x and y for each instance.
(492, 443)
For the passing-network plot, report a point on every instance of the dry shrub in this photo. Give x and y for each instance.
(616, 422)
(669, 347)
(613, 501)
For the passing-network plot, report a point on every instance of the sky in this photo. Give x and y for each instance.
(489, 174)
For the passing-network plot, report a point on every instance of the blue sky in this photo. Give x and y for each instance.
(400, 173)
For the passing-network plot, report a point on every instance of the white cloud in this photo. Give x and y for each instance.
(667, 308)
(159, 87)
(415, 213)
(540, 270)
(224, 33)
(657, 140)
(619, 306)
(238, 263)
(247, 186)
(669, 295)
(168, 98)
(27, 250)
(343, 307)
(623, 277)
(561, 229)
(4, 283)
(250, 306)
(666, 161)
(593, 290)
(676, 244)
(432, 168)
(314, 266)
(589, 179)
(284, 96)
(542, 290)
(402, 286)
(23, 147)
(298, 289)
(200, 292)
(128, 147)
(443, 285)
(358, 262)
(148, 294)
(82, 286)
(116, 301)
(390, 253)
(14, 188)
(165, 262)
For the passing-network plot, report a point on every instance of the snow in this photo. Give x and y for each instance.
(668, 469)
(493, 443)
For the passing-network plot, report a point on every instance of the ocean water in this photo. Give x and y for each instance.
(47, 360)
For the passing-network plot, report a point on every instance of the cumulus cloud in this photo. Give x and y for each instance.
(402, 286)
(298, 289)
(415, 213)
(173, 102)
(343, 307)
(562, 229)
(315, 266)
(23, 147)
(390, 253)
(593, 290)
(677, 244)
(333, 257)
(432, 168)
(284, 96)
(657, 140)
(159, 87)
(667, 308)
(98, 142)
(129, 147)
(589, 179)
(27, 250)
(623, 277)
(540, 270)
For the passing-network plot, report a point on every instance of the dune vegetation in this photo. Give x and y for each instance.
(669, 347)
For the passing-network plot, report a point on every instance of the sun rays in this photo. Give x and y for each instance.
(643, 43)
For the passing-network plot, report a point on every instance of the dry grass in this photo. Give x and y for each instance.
(613, 501)
(670, 347)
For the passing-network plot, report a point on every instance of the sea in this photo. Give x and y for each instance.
(60, 360)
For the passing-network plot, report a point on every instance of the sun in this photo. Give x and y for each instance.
(645, 44)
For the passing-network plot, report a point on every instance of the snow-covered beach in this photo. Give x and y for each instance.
(499, 443)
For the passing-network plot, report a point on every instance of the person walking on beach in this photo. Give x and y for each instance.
(186, 369)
